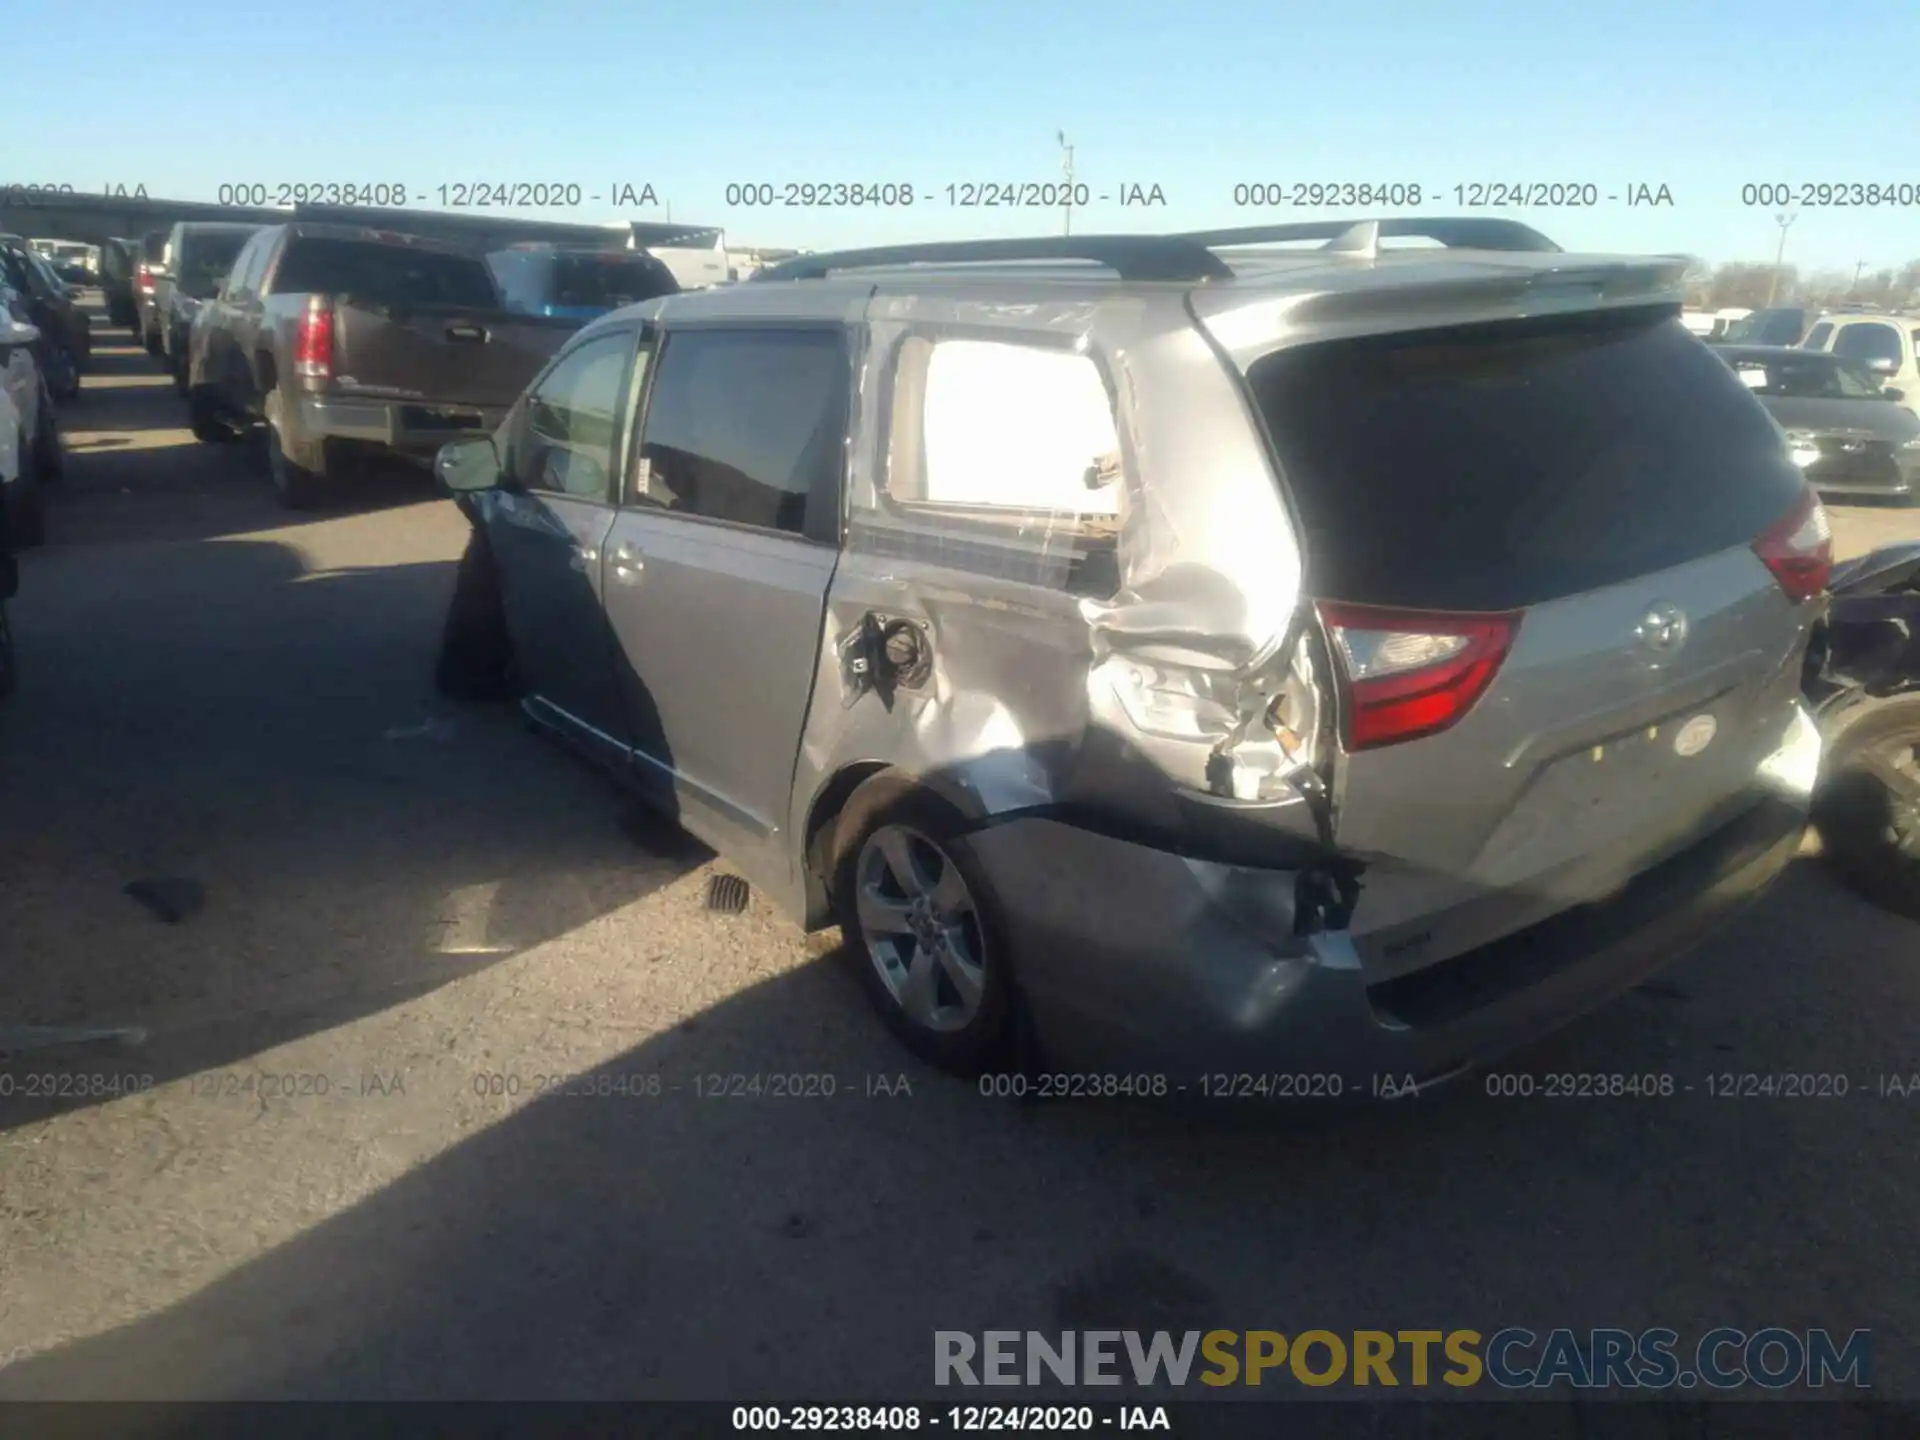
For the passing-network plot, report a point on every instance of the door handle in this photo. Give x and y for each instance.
(628, 562)
(582, 558)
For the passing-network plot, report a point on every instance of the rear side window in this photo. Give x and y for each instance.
(609, 281)
(1817, 337)
(205, 259)
(748, 426)
(513, 272)
(1871, 341)
(1498, 466)
(1002, 430)
(383, 274)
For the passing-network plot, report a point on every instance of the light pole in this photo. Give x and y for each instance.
(1854, 288)
(1784, 219)
(1066, 208)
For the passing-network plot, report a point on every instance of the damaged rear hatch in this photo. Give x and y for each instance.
(1559, 565)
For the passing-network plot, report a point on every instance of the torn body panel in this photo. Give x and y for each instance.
(1127, 661)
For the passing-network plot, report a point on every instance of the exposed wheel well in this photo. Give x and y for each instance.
(827, 806)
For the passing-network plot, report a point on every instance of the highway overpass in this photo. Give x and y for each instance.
(94, 218)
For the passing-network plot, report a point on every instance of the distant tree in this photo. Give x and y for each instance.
(1744, 284)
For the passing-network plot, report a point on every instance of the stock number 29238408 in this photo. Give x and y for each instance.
(1071, 1086)
(311, 192)
(786, 1419)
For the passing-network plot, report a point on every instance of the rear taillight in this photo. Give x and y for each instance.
(313, 341)
(1410, 673)
(143, 277)
(1798, 548)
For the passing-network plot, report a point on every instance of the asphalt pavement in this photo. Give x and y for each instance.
(276, 1124)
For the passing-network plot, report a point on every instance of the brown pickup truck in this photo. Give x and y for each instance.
(346, 341)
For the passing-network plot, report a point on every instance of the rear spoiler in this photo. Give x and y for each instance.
(1430, 293)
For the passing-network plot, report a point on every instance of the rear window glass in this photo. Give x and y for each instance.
(386, 274)
(207, 258)
(1868, 341)
(608, 281)
(1807, 376)
(1777, 326)
(1496, 466)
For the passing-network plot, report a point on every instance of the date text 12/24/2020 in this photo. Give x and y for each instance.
(457, 195)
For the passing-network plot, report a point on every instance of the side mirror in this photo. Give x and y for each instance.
(1883, 366)
(1894, 393)
(468, 465)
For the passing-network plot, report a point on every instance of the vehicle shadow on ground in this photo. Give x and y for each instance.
(234, 797)
(673, 1238)
(135, 472)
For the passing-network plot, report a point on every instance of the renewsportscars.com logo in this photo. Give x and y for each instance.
(1514, 1358)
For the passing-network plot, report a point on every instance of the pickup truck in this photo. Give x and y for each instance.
(346, 343)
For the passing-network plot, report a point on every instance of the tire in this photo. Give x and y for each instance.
(1868, 806)
(179, 368)
(204, 417)
(476, 661)
(9, 667)
(897, 849)
(26, 505)
(151, 340)
(62, 372)
(294, 486)
(49, 453)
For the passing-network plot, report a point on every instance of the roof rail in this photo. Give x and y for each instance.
(1182, 257)
(1132, 257)
(1472, 232)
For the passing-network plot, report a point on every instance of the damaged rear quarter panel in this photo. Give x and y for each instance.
(1023, 703)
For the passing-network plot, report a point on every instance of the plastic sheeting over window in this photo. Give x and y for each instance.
(1013, 426)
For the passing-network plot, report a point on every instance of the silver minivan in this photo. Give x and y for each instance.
(1277, 651)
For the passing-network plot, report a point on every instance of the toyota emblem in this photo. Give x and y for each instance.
(1663, 630)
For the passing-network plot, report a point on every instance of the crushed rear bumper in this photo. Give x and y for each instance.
(1136, 960)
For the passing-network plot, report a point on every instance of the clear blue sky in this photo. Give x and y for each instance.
(1194, 96)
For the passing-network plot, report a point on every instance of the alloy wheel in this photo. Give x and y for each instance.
(921, 927)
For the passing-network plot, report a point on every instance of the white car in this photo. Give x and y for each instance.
(1888, 345)
(29, 444)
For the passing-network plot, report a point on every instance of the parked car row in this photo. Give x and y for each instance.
(343, 344)
(30, 449)
(1886, 344)
(64, 348)
(1850, 435)
(72, 261)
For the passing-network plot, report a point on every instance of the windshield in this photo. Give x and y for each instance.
(1497, 466)
(1804, 377)
(608, 281)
